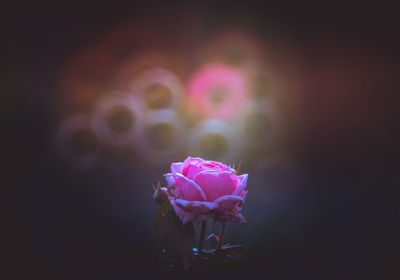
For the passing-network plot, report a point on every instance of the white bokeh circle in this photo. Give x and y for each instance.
(128, 107)
(223, 130)
(173, 137)
(64, 138)
(158, 77)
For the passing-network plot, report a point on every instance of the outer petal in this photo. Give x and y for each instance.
(196, 207)
(189, 189)
(176, 167)
(215, 183)
(188, 217)
(236, 218)
(192, 170)
(229, 203)
(239, 219)
(215, 165)
(188, 162)
(242, 184)
(183, 215)
(243, 194)
(169, 177)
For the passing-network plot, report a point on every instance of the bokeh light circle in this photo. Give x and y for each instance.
(257, 120)
(117, 119)
(258, 127)
(161, 137)
(217, 91)
(138, 63)
(77, 142)
(157, 89)
(261, 81)
(215, 140)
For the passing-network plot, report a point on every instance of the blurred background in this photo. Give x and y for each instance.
(97, 99)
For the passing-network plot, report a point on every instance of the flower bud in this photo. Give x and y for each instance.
(160, 195)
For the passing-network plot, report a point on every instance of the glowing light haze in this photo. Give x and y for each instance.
(160, 104)
(218, 91)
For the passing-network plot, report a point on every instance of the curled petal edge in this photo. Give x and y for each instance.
(202, 207)
(242, 184)
(189, 188)
(169, 177)
(185, 215)
(229, 203)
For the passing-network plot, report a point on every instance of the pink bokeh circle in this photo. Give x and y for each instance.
(217, 91)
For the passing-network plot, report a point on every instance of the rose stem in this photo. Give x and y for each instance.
(221, 236)
(202, 234)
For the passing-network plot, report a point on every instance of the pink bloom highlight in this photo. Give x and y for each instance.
(199, 189)
(218, 91)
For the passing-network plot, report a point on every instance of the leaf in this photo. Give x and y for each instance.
(176, 238)
(234, 250)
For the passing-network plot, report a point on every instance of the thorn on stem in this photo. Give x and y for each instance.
(238, 168)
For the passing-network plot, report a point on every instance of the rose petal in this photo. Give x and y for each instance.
(192, 171)
(239, 219)
(196, 159)
(189, 189)
(183, 215)
(174, 191)
(214, 165)
(242, 184)
(187, 218)
(215, 183)
(243, 194)
(176, 167)
(236, 218)
(169, 177)
(228, 203)
(188, 162)
(197, 207)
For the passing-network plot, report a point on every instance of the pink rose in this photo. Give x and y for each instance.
(199, 189)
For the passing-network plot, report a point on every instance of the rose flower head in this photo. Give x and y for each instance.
(199, 189)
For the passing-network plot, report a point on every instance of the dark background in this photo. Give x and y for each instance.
(332, 211)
